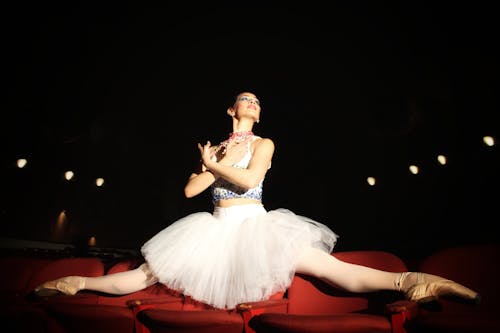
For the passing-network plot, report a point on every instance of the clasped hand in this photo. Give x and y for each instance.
(232, 156)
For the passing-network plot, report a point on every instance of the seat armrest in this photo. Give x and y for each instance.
(250, 309)
(275, 304)
(156, 301)
(159, 302)
(400, 312)
(406, 306)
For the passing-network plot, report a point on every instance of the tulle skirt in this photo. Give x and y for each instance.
(234, 255)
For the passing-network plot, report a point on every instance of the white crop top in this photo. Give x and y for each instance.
(222, 189)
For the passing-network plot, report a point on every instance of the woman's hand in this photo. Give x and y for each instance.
(200, 180)
(206, 155)
(234, 154)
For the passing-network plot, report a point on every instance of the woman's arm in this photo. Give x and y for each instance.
(198, 182)
(201, 179)
(245, 178)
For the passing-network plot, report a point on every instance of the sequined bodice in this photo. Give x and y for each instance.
(221, 189)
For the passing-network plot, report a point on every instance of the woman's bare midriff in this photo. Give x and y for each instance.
(236, 201)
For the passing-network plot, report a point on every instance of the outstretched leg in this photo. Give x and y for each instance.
(356, 278)
(118, 283)
(351, 277)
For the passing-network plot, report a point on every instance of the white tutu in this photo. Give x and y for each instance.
(235, 255)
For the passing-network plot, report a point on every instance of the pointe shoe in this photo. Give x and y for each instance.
(428, 288)
(68, 285)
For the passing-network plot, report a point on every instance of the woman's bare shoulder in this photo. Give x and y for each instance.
(266, 143)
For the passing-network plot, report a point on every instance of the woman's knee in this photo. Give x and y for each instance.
(314, 262)
(150, 277)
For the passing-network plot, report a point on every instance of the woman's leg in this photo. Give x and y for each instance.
(350, 277)
(417, 286)
(118, 283)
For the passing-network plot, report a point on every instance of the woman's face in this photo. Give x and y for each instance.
(247, 104)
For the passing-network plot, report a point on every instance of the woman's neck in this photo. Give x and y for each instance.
(242, 129)
(242, 125)
(234, 138)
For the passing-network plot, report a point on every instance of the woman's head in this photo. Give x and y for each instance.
(246, 107)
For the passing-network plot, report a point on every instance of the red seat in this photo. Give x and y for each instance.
(20, 275)
(27, 318)
(159, 315)
(15, 275)
(314, 306)
(95, 318)
(90, 311)
(82, 312)
(475, 266)
(196, 321)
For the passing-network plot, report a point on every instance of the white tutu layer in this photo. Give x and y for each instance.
(235, 255)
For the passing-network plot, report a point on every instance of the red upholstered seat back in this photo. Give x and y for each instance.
(163, 321)
(308, 295)
(123, 266)
(475, 266)
(15, 273)
(65, 267)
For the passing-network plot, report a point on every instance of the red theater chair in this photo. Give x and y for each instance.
(192, 317)
(22, 313)
(86, 311)
(191, 321)
(314, 306)
(475, 266)
(94, 312)
(17, 313)
(15, 275)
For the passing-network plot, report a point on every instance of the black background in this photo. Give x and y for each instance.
(126, 90)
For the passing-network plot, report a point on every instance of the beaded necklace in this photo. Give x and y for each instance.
(234, 138)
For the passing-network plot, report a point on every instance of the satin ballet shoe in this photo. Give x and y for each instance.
(428, 288)
(429, 292)
(68, 285)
